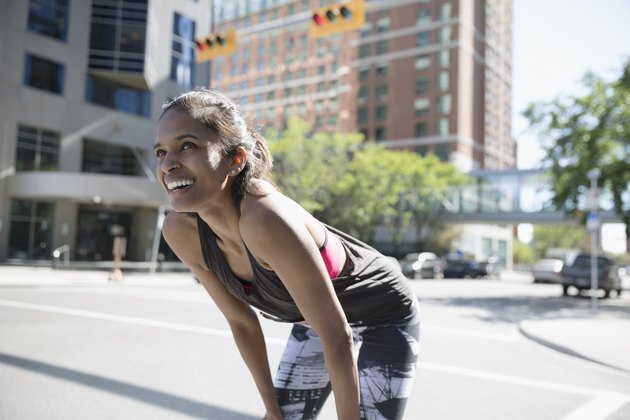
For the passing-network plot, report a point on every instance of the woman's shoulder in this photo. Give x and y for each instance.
(175, 222)
(178, 229)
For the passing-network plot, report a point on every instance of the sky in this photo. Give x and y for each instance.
(556, 42)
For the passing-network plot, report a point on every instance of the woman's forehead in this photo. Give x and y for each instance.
(173, 123)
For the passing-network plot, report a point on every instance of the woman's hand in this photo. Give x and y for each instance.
(274, 416)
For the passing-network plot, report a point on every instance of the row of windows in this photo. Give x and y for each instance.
(421, 87)
(423, 16)
(423, 39)
(44, 74)
(37, 149)
(118, 35)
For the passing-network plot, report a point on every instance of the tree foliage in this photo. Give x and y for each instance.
(580, 133)
(558, 236)
(358, 186)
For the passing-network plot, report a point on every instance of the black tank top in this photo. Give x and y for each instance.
(370, 289)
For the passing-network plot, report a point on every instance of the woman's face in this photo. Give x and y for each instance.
(190, 164)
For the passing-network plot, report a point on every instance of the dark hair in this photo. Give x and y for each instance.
(219, 113)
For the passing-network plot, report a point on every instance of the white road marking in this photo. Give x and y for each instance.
(130, 320)
(602, 404)
(600, 407)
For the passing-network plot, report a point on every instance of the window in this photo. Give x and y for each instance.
(445, 34)
(446, 10)
(381, 92)
(382, 25)
(382, 47)
(49, 17)
(423, 62)
(364, 50)
(43, 74)
(182, 51)
(444, 104)
(423, 16)
(443, 127)
(381, 112)
(421, 106)
(364, 94)
(362, 115)
(441, 150)
(118, 35)
(421, 129)
(114, 95)
(422, 85)
(380, 134)
(443, 81)
(105, 158)
(423, 39)
(364, 73)
(30, 231)
(444, 58)
(381, 70)
(36, 150)
(421, 150)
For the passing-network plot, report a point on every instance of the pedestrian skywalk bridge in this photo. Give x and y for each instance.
(512, 196)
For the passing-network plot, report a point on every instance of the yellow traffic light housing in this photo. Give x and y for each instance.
(215, 45)
(337, 18)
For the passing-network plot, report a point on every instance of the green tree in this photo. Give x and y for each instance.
(523, 253)
(580, 133)
(358, 186)
(558, 236)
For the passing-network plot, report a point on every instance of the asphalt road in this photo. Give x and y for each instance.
(112, 351)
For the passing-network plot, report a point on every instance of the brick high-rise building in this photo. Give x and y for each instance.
(432, 76)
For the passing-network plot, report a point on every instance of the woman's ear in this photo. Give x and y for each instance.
(238, 161)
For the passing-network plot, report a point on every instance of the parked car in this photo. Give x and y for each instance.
(459, 269)
(423, 265)
(547, 270)
(578, 275)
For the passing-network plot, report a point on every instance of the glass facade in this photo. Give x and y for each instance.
(49, 17)
(30, 232)
(105, 158)
(96, 232)
(41, 73)
(36, 149)
(118, 35)
(183, 51)
(111, 94)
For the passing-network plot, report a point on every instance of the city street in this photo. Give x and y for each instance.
(163, 351)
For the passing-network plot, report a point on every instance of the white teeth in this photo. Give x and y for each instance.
(179, 183)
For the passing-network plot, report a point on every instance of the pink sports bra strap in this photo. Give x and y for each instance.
(332, 252)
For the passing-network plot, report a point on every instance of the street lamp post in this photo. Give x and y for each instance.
(592, 224)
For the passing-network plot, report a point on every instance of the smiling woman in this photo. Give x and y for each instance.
(253, 247)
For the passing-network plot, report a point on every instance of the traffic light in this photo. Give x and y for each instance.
(337, 18)
(214, 45)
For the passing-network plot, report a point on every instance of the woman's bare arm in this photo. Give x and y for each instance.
(277, 235)
(178, 230)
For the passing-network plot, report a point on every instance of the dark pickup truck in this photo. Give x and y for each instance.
(578, 275)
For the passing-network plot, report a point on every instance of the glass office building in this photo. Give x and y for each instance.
(82, 86)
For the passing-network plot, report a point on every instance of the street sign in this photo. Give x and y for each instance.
(592, 222)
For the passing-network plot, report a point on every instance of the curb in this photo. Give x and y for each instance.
(566, 350)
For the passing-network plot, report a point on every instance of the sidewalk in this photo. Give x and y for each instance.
(603, 338)
(18, 276)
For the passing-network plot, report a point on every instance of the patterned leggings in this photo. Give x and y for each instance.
(386, 361)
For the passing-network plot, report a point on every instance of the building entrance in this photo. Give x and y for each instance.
(96, 231)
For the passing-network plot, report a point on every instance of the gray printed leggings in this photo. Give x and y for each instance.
(386, 362)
